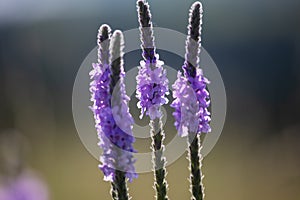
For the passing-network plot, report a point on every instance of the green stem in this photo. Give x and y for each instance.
(158, 160)
(195, 158)
(120, 185)
(114, 192)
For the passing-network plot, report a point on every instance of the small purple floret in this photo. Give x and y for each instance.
(152, 88)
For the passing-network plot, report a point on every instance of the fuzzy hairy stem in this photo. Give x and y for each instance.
(116, 51)
(195, 160)
(193, 42)
(114, 192)
(103, 41)
(158, 160)
(120, 185)
(146, 30)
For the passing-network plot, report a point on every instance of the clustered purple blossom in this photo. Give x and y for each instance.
(115, 140)
(186, 106)
(191, 104)
(152, 87)
(199, 84)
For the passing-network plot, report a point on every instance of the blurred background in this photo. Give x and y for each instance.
(255, 44)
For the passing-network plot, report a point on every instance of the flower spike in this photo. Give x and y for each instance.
(152, 88)
(192, 101)
(110, 107)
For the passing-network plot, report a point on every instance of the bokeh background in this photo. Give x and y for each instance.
(255, 44)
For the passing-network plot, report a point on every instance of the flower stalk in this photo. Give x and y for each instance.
(192, 62)
(158, 159)
(110, 108)
(117, 90)
(152, 89)
(195, 159)
(192, 101)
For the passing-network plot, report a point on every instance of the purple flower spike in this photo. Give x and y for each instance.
(152, 82)
(192, 101)
(152, 88)
(191, 96)
(111, 110)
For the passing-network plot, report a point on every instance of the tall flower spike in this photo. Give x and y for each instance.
(192, 101)
(123, 121)
(193, 76)
(110, 107)
(99, 89)
(152, 79)
(152, 88)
